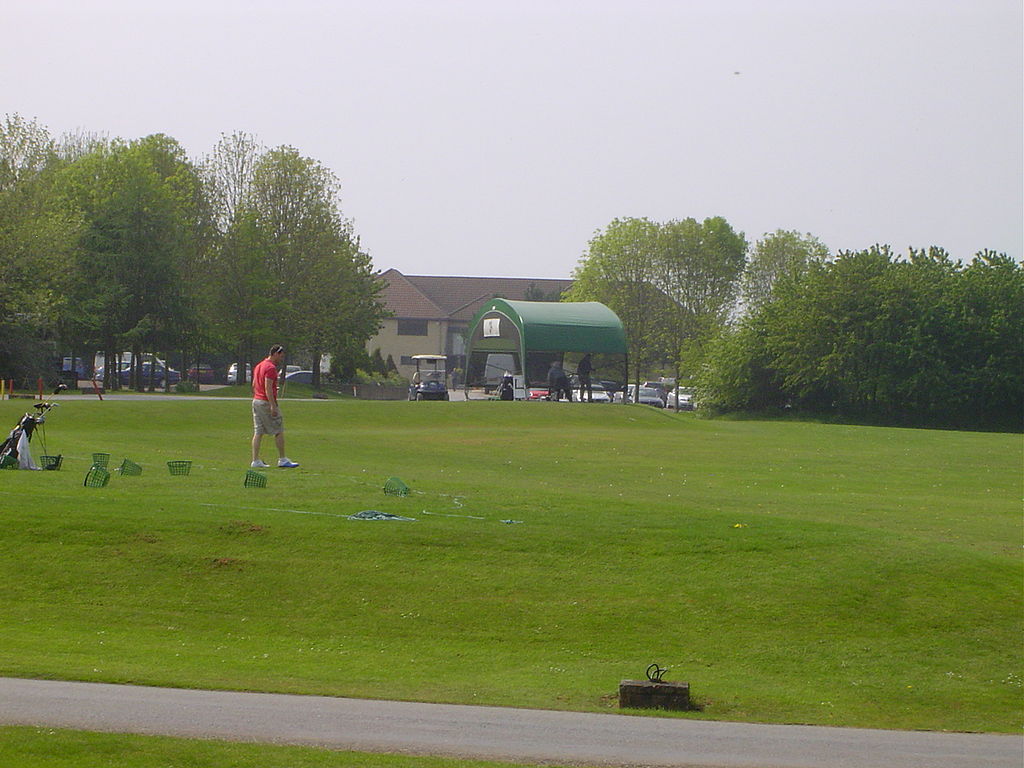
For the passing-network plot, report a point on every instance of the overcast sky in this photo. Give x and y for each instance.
(493, 137)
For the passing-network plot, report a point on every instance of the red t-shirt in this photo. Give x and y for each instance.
(264, 370)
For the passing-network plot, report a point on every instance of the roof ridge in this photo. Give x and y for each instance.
(419, 291)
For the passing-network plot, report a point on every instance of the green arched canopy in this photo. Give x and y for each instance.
(525, 336)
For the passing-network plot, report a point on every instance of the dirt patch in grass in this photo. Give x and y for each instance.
(243, 528)
(228, 563)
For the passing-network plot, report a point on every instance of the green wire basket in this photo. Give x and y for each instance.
(255, 479)
(130, 469)
(8, 462)
(51, 462)
(97, 477)
(395, 487)
(179, 467)
(100, 460)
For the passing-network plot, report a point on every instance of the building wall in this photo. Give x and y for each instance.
(390, 342)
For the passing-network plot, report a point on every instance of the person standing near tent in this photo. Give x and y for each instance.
(583, 370)
(558, 382)
(266, 415)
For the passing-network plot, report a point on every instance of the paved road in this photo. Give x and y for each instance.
(522, 735)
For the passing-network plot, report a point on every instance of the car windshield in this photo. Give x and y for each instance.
(648, 392)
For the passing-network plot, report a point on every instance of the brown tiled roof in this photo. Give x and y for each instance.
(404, 299)
(458, 298)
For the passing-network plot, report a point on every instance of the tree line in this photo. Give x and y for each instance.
(131, 246)
(785, 326)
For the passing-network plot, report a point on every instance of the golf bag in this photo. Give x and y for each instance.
(15, 450)
(506, 390)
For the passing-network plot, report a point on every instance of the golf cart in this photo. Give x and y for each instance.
(430, 381)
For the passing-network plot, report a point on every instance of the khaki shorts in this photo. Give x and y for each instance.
(262, 422)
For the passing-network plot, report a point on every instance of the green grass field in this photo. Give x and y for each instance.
(56, 748)
(791, 572)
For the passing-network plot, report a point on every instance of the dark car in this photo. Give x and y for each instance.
(75, 368)
(159, 372)
(125, 374)
(202, 373)
(299, 377)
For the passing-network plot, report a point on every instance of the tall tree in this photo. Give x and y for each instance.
(228, 176)
(988, 307)
(36, 244)
(234, 294)
(137, 200)
(780, 255)
(699, 267)
(620, 269)
(322, 281)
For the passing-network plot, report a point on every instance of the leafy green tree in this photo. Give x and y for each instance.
(248, 306)
(737, 373)
(781, 255)
(26, 149)
(534, 293)
(620, 269)
(286, 265)
(916, 339)
(671, 284)
(236, 297)
(228, 177)
(699, 267)
(323, 280)
(988, 307)
(137, 202)
(36, 244)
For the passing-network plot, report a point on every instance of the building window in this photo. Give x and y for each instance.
(407, 360)
(412, 327)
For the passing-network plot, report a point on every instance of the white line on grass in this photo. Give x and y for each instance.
(273, 509)
(443, 514)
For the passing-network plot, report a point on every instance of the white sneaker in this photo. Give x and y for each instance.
(259, 464)
(287, 463)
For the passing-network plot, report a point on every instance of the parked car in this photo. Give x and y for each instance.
(101, 371)
(173, 376)
(685, 396)
(73, 368)
(661, 387)
(159, 373)
(202, 373)
(233, 373)
(299, 377)
(599, 393)
(648, 396)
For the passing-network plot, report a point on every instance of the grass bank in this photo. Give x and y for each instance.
(790, 572)
(56, 748)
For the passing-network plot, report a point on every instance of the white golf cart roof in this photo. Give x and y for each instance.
(429, 357)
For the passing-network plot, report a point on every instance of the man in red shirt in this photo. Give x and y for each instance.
(266, 417)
